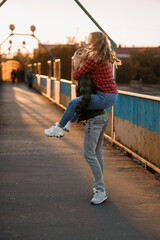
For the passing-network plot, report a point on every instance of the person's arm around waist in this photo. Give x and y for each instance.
(86, 87)
(88, 66)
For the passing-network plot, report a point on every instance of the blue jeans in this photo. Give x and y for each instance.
(93, 148)
(98, 101)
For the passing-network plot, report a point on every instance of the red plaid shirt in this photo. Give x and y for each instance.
(101, 74)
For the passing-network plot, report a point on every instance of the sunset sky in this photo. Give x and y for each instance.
(127, 22)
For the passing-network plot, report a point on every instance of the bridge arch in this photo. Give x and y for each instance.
(7, 66)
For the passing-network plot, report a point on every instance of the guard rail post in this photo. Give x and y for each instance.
(38, 75)
(35, 68)
(73, 85)
(57, 75)
(48, 90)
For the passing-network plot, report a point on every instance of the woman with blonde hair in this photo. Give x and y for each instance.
(100, 50)
(98, 61)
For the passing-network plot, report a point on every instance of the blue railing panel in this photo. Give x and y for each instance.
(43, 81)
(35, 79)
(140, 111)
(109, 110)
(65, 89)
(52, 84)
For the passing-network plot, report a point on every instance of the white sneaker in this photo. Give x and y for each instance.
(99, 197)
(54, 131)
(94, 189)
(67, 126)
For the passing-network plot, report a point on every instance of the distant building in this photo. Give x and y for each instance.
(64, 52)
(125, 52)
(52, 47)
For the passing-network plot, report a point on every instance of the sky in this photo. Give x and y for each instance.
(127, 22)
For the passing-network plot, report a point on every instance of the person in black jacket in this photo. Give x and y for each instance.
(13, 75)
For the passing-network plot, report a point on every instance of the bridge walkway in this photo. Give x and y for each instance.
(46, 185)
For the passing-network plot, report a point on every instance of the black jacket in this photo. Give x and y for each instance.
(85, 89)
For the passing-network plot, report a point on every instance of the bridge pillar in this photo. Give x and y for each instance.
(48, 87)
(39, 68)
(29, 67)
(38, 74)
(73, 86)
(35, 68)
(49, 70)
(57, 75)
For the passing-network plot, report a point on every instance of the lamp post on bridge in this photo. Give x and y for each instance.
(32, 28)
(10, 43)
(11, 27)
(2, 3)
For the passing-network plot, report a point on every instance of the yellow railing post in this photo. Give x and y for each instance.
(73, 86)
(39, 68)
(72, 68)
(35, 68)
(49, 63)
(57, 69)
(29, 66)
(57, 75)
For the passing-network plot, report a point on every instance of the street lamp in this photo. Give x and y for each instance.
(10, 42)
(24, 43)
(11, 27)
(9, 49)
(33, 29)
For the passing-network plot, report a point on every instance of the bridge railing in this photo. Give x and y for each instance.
(58, 90)
(135, 126)
(134, 120)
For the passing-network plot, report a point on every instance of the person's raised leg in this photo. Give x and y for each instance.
(57, 131)
(102, 100)
(69, 112)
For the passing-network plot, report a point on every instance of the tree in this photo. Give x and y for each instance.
(127, 71)
(144, 64)
(62, 52)
(71, 40)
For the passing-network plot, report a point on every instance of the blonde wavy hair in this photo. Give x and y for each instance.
(100, 50)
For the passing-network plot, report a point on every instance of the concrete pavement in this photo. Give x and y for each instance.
(46, 185)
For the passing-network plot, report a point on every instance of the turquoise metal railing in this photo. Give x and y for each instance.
(135, 124)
